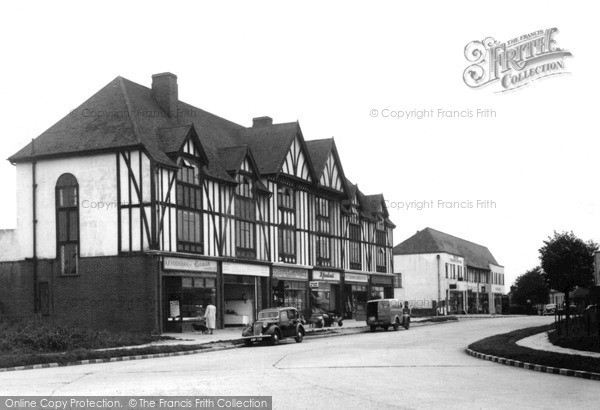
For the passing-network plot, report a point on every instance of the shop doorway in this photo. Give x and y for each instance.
(356, 301)
(244, 296)
(185, 300)
(326, 298)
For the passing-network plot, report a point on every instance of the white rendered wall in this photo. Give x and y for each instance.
(97, 180)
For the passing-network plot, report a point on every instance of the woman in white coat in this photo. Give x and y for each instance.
(210, 317)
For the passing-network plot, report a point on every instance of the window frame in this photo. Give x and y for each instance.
(64, 183)
(245, 222)
(188, 183)
(286, 237)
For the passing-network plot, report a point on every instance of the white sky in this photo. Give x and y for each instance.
(327, 65)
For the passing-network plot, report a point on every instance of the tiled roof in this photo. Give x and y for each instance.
(431, 241)
(123, 114)
(269, 144)
(319, 152)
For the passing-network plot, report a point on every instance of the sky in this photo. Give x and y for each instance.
(341, 69)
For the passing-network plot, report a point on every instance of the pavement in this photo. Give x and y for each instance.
(232, 333)
(540, 341)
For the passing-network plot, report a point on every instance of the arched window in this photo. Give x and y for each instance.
(67, 224)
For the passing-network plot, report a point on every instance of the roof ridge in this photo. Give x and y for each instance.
(456, 237)
(134, 125)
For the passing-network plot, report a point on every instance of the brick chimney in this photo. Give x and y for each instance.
(164, 92)
(261, 121)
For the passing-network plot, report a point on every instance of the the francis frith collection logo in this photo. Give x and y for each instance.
(516, 62)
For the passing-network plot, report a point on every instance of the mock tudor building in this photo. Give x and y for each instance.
(137, 210)
(455, 276)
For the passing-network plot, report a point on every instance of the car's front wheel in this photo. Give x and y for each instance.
(275, 338)
(396, 324)
(373, 328)
(299, 336)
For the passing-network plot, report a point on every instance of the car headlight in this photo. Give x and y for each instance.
(265, 325)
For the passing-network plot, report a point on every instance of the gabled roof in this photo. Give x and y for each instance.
(431, 241)
(270, 144)
(173, 138)
(84, 129)
(232, 157)
(319, 152)
(124, 115)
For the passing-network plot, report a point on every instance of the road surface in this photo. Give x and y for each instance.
(424, 367)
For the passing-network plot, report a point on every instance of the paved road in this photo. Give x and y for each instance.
(424, 367)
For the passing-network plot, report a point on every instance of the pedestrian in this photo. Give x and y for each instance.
(210, 316)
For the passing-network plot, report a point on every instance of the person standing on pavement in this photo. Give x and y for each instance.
(210, 317)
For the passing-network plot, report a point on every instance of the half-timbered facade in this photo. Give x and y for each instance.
(140, 220)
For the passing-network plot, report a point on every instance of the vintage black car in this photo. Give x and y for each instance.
(275, 324)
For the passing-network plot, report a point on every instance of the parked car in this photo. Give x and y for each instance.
(275, 324)
(387, 312)
(320, 318)
(550, 309)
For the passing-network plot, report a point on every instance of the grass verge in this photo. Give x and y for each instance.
(579, 341)
(504, 345)
(14, 360)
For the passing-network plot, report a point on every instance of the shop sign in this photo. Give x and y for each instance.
(381, 280)
(472, 288)
(497, 289)
(462, 286)
(189, 265)
(245, 269)
(356, 277)
(326, 276)
(290, 273)
(314, 284)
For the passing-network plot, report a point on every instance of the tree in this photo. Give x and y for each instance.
(531, 286)
(567, 262)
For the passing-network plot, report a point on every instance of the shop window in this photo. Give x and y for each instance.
(287, 225)
(67, 224)
(189, 206)
(377, 292)
(245, 213)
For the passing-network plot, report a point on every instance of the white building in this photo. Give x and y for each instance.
(437, 270)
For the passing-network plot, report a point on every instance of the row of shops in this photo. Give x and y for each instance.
(240, 290)
(474, 298)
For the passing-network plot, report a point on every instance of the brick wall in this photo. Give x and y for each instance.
(16, 289)
(116, 292)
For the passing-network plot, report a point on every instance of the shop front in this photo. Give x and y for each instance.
(483, 299)
(472, 301)
(497, 298)
(382, 287)
(290, 288)
(457, 298)
(188, 286)
(326, 292)
(355, 295)
(245, 292)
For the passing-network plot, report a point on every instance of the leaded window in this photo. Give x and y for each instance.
(189, 207)
(245, 213)
(287, 225)
(67, 224)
